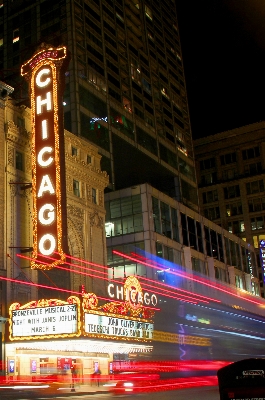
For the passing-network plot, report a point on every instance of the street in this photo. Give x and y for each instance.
(204, 393)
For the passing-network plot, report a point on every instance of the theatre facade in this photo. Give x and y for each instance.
(48, 337)
(52, 205)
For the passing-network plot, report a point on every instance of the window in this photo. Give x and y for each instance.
(234, 252)
(89, 159)
(214, 244)
(168, 156)
(174, 221)
(94, 196)
(207, 164)
(74, 151)
(192, 233)
(233, 209)
(199, 237)
(15, 35)
(231, 191)
(257, 223)
(230, 173)
(94, 130)
(146, 86)
(148, 13)
(255, 187)
(21, 122)
(239, 281)
(250, 153)
(220, 274)
(207, 241)
(252, 169)
(19, 161)
(210, 196)
(184, 229)
(156, 215)
(189, 192)
(165, 219)
(199, 266)
(227, 250)
(186, 169)
(228, 158)
(212, 213)
(76, 188)
(208, 179)
(121, 123)
(127, 104)
(256, 204)
(257, 239)
(124, 216)
(220, 247)
(92, 103)
(236, 227)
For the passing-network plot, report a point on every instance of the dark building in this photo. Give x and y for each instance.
(125, 88)
(231, 176)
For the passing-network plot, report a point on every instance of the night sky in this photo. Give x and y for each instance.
(223, 47)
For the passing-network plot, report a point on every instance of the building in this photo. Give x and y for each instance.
(143, 218)
(125, 87)
(231, 177)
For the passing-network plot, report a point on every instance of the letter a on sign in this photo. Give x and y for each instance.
(45, 73)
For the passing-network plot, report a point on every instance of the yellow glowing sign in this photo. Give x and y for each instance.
(121, 320)
(45, 319)
(55, 318)
(44, 72)
(160, 336)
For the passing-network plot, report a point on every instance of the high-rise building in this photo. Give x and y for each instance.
(231, 180)
(125, 87)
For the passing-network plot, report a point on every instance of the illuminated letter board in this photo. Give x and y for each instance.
(45, 319)
(45, 74)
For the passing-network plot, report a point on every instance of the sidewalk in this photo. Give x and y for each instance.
(80, 389)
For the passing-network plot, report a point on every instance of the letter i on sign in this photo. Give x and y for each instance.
(45, 73)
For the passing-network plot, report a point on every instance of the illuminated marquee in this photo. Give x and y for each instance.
(127, 320)
(44, 71)
(45, 319)
(97, 324)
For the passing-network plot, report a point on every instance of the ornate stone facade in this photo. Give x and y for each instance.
(85, 207)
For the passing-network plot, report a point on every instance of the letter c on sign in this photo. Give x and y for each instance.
(110, 286)
(49, 160)
(39, 82)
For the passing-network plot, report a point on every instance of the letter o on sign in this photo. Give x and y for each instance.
(47, 244)
(154, 300)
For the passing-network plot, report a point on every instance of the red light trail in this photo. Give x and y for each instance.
(203, 282)
(156, 290)
(157, 287)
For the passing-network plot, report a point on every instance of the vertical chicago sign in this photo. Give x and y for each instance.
(45, 73)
